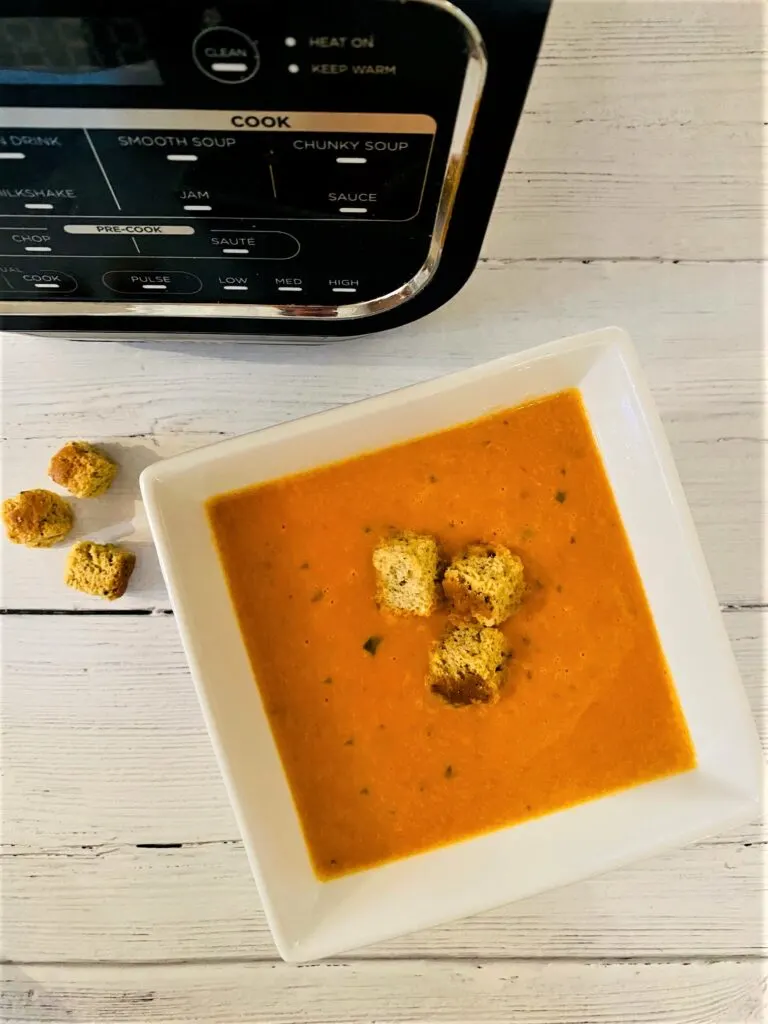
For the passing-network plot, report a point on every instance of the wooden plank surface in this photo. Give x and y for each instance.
(642, 136)
(486, 992)
(128, 767)
(703, 357)
(634, 195)
(121, 903)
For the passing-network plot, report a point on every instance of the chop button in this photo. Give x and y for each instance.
(152, 282)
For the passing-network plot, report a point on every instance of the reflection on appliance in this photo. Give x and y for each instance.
(75, 51)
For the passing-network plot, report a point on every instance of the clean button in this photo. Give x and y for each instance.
(226, 54)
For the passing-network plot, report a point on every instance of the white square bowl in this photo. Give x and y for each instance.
(312, 919)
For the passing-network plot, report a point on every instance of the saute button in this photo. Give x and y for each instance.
(150, 282)
(260, 245)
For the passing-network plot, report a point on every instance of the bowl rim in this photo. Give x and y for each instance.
(160, 476)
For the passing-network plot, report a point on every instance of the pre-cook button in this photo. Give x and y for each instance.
(129, 229)
(166, 282)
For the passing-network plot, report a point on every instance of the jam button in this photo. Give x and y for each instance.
(152, 282)
(226, 55)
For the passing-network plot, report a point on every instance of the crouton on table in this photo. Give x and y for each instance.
(83, 469)
(37, 518)
(102, 570)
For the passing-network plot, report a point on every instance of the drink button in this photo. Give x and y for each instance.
(161, 282)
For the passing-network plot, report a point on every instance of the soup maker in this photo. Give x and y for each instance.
(253, 170)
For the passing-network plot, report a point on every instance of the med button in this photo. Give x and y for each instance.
(160, 282)
(226, 55)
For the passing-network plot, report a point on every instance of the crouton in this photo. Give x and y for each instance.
(407, 566)
(468, 665)
(485, 583)
(38, 519)
(102, 570)
(83, 469)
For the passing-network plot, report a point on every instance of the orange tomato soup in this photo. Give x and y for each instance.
(379, 767)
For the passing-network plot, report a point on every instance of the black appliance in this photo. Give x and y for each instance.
(250, 168)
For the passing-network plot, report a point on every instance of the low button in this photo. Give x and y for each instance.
(226, 55)
(159, 282)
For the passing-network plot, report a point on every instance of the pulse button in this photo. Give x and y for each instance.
(226, 55)
(163, 282)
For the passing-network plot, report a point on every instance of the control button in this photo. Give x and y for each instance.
(51, 172)
(160, 173)
(226, 55)
(168, 282)
(28, 240)
(344, 285)
(234, 282)
(57, 239)
(352, 177)
(47, 282)
(344, 197)
(289, 284)
(260, 245)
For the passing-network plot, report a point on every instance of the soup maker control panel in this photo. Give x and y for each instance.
(275, 161)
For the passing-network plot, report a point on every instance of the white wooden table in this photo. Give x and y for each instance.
(633, 196)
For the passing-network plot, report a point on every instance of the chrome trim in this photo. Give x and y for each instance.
(466, 114)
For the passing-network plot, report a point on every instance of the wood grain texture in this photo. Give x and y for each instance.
(697, 329)
(199, 903)
(107, 755)
(485, 992)
(642, 144)
(642, 136)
